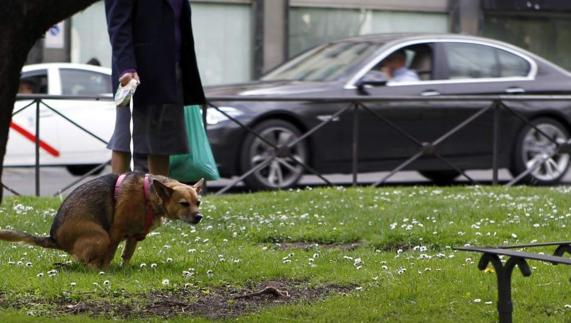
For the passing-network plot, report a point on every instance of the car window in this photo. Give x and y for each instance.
(471, 61)
(325, 63)
(88, 83)
(34, 82)
(408, 64)
(512, 65)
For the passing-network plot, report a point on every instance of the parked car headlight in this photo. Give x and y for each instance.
(214, 116)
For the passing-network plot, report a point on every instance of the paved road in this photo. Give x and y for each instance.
(52, 180)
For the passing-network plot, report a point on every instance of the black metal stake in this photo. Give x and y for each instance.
(496, 136)
(530, 170)
(318, 127)
(389, 123)
(398, 169)
(24, 108)
(461, 126)
(37, 166)
(504, 277)
(461, 171)
(355, 143)
(204, 109)
(245, 175)
(10, 190)
(75, 123)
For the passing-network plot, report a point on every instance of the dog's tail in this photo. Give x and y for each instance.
(16, 236)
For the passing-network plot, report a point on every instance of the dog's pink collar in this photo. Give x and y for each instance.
(150, 216)
(120, 180)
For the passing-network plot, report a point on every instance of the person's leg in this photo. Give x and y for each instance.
(120, 162)
(158, 164)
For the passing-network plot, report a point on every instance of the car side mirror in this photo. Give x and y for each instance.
(371, 79)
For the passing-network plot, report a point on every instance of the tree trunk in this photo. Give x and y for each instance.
(22, 23)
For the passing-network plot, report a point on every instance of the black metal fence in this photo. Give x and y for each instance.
(355, 105)
(38, 101)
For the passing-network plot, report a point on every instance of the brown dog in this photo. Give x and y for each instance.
(98, 215)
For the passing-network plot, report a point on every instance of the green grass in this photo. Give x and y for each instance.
(404, 269)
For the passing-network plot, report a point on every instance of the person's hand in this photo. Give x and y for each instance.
(127, 77)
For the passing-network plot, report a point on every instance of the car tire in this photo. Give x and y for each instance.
(281, 172)
(440, 177)
(80, 170)
(532, 146)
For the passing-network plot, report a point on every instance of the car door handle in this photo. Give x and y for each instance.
(430, 93)
(515, 90)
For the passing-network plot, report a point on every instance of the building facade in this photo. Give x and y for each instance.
(239, 40)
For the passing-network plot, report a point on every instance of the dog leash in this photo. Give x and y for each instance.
(124, 96)
(131, 129)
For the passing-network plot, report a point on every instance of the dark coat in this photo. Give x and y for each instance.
(143, 38)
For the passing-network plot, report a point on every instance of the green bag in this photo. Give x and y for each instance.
(199, 163)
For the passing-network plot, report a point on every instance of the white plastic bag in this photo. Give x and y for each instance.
(125, 93)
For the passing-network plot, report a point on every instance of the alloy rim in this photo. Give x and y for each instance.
(537, 148)
(280, 171)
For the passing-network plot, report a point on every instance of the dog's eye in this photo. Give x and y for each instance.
(198, 203)
(184, 203)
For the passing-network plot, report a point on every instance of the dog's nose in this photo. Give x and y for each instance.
(197, 217)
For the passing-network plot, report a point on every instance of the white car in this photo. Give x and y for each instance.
(62, 142)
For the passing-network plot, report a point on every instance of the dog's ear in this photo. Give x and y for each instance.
(163, 191)
(198, 186)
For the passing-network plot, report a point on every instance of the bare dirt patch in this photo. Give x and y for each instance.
(213, 303)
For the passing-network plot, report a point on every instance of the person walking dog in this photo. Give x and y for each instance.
(152, 42)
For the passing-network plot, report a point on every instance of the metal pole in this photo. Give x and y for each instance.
(204, 109)
(496, 138)
(355, 143)
(504, 275)
(505, 305)
(37, 166)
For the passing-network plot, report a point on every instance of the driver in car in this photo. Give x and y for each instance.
(26, 87)
(394, 67)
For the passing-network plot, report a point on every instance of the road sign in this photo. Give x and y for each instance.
(55, 36)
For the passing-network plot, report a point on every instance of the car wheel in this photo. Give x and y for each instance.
(440, 177)
(281, 171)
(80, 170)
(533, 147)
